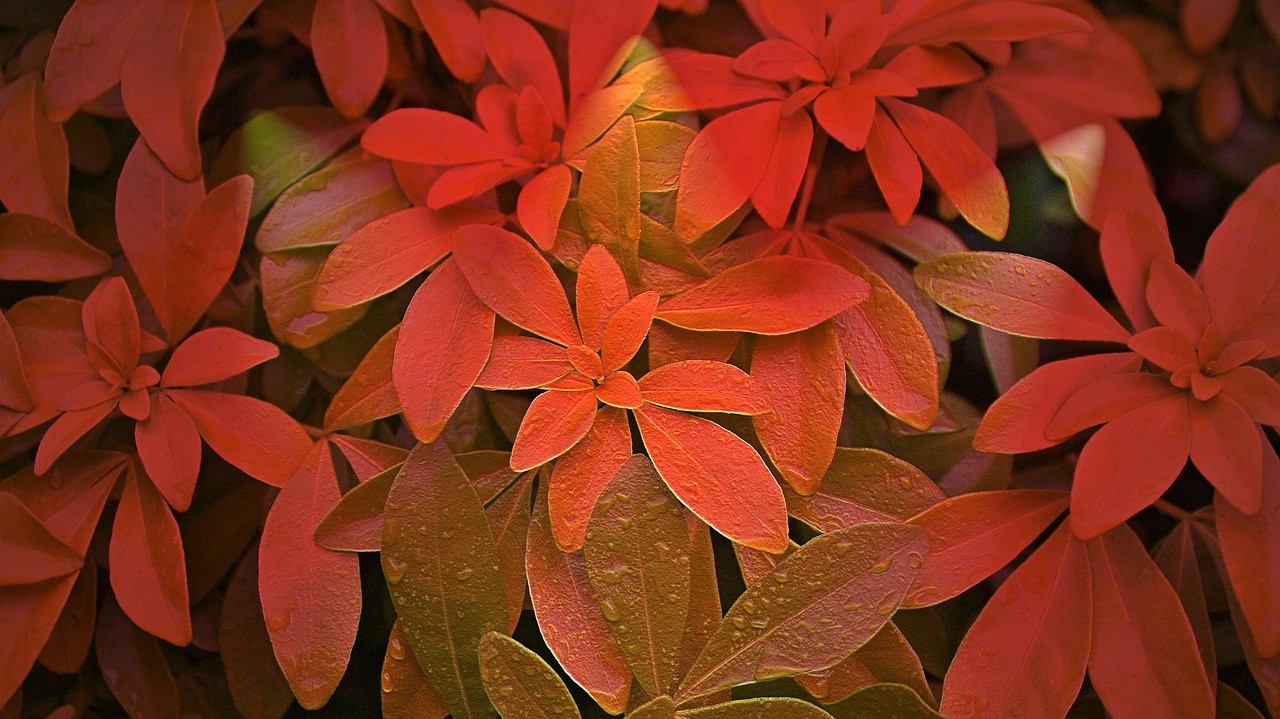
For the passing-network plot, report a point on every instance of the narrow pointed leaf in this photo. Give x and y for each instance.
(32, 553)
(169, 447)
(509, 521)
(1248, 549)
(33, 248)
(349, 43)
(257, 686)
(134, 667)
(406, 692)
(213, 355)
(704, 386)
(368, 394)
(865, 485)
(147, 571)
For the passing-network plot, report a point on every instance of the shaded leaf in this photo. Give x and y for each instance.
(147, 571)
(33, 248)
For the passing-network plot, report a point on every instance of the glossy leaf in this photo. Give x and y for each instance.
(865, 485)
(582, 473)
(406, 693)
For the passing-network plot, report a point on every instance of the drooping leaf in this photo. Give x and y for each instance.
(520, 684)
(147, 571)
(33, 248)
(854, 578)
(310, 595)
(1038, 624)
(637, 552)
(445, 581)
(1177, 560)
(169, 447)
(68, 646)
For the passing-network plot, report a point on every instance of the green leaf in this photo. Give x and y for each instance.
(441, 565)
(884, 700)
(520, 684)
(355, 522)
(760, 708)
(812, 610)
(609, 193)
(864, 485)
(637, 552)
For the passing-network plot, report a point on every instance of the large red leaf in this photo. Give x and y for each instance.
(1019, 295)
(1225, 447)
(973, 536)
(168, 75)
(1144, 661)
(430, 384)
(310, 595)
(368, 394)
(509, 275)
(255, 436)
(521, 58)
(1240, 264)
(582, 473)
(865, 485)
(1128, 464)
(1130, 242)
(1038, 624)
(717, 475)
(704, 386)
(895, 166)
(771, 295)
(432, 137)
(455, 32)
(213, 355)
(88, 52)
(147, 571)
(32, 553)
(169, 447)
(723, 166)
(34, 177)
(349, 42)
(38, 249)
(570, 618)
(1249, 546)
(597, 30)
(803, 377)
(776, 192)
(555, 422)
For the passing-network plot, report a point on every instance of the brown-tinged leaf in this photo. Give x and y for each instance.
(759, 708)
(570, 618)
(886, 658)
(406, 693)
(973, 536)
(34, 176)
(509, 521)
(148, 575)
(310, 595)
(886, 700)
(288, 284)
(355, 522)
(704, 594)
(445, 580)
(1177, 560)
(865, 485)
(278, 147)
(368, 394)
(520, 684)
(609, 193)
(257, 686)
(134, 667)
(637, 552)
(33, 248)
(838, 591)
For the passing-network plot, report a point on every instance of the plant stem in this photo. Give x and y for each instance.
(810, 176)
(1172, 510)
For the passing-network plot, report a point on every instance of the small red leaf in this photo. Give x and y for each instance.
(582, 473)
(213, 355)
(169, 447)
(431, 137)
(147, 571)
(555, 422)
(255, 436)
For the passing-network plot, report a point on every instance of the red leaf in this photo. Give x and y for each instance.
(512, 278)
(1128, 464)
(256, 437)
(148, 575)
(1020, 295)
(1130, 242)
(68, 646)
(895, 167)
(626, 330)
(1225, 447)
(522, 59)
(1144, 660)
(517, 362)
(865, 485)
(444, 312)
(541, 203)
(257, 686)
(368, 393)
(572, 623)
(111, 323)
(994, 20)
(1107, 398)
(771, 295)
(601, 290)
(597, 31)
(802, 377)
(804, 22)
(1176, 299)
(310, 595)
(36, 249)
(1249, 546)
(582, 473)
(776, 191)
(1176, 557)
(1037, 625)
(350, 47)
(1204, 24)
(973, 536)
(169, 447)
(168, 75)
(431, 137)
(717, 475)
(1240, 264)
(134, 667)
(33, 179)
(969, 178)
(32, 553)
(555, 422)
(847, 113)
(455, 31)
(723, 166)
(68, 428)
(703, 386)
(213, 355)
(88, 52)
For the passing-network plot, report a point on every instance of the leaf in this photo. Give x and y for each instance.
(288, 283)
(134, 667)
(771, 295)
(1147, 447)
(1248, 552)
(597, 30)
(509, 521)
(1037, 624)
(512, 278)
(697, 458)
(257, 686)
(68, 645)
(87, 53)
(256, 437)
(445, 582)
(278, 147)
(349, 43)
(895, 166)
(570, 618)
(32, 553)
(854, 578)
(1176, 557)
(169, 446)
(803, 377)
(388, 252)
(555, 422)
(432, 137)
(310, 595)
(723, 166)
(519, 683)
(704, 386)
(36, 171)
(1020, 295)
(582, 473)
(609, 193)
(886, 658)
(973, 536)
(964, 172)
(865, 485)
(759, 708)
(521, 57)
(406, 693)
(368, 394)
(444, 312)
(541, 204)
(213, 355)
(354, 524)
(1144, 660)
(776, 192)
(1226, 449)
(455, 32)
(33, 248)
(887, 699)
(168, 75)
(637, 552)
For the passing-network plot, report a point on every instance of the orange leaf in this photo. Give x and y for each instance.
(600, 291)
(368, 393)
(147, 571)
(253, 435)
(704, 386)
(169, 447)
(582, 473)
(517, 362)
(555, 422)
(432, 137)
(723, 166)
(213, 355)
(455, 31)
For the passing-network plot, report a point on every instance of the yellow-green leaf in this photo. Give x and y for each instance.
(520, 684)
(609, 193)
